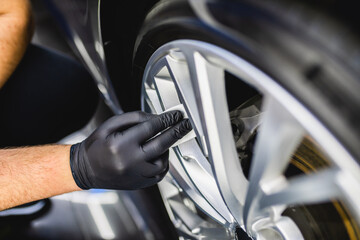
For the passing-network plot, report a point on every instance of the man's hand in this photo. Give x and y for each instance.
(123, 152)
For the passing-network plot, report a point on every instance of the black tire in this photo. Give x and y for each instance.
(278, 38)
(294, 45)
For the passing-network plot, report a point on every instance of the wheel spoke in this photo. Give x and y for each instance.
(209, 86)
(197, 166)
(190, 150)
(305, 189)
(278, 137)
(167, 92)
(179, 72)
(184, 182)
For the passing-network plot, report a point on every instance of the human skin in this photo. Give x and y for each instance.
(16, 29)
(17, 186)
(32, 173)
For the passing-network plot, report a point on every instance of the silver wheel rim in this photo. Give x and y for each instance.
(207, 171)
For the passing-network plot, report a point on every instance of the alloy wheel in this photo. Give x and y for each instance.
(233, 176)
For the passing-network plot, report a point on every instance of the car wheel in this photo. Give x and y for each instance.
(274, 111)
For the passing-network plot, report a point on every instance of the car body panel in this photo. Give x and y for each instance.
(80, 22)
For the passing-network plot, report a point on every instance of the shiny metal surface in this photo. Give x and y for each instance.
(80, 20)
(205, 172)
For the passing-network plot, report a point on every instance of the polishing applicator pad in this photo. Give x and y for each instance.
(188, 136)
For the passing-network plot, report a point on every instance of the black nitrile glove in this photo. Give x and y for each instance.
(119, 154)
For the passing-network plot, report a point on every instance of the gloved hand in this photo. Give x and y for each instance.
(122, 153)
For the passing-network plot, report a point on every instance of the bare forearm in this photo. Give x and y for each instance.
(16, 27)
(33, 173)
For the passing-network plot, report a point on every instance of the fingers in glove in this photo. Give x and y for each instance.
(157, 167)
(150, 128)
(124, 121)
(155, 179)
(161, 143)
(162, 175)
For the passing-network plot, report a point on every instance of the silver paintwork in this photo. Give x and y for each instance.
(207, 171)
(81, 22)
